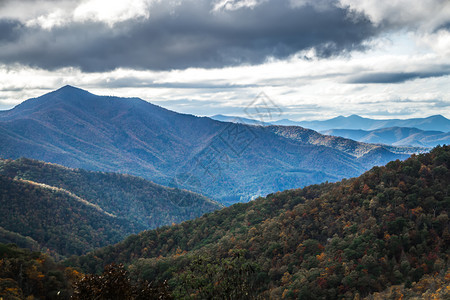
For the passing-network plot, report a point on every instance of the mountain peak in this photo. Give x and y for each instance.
(355, 117)
(67, 94)
(440, 117)
(67, 87)
(70, 89)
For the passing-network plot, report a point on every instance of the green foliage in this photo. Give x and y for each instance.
(226, 278)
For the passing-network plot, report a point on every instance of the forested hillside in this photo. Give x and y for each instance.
(33, 275)
(388, 227)
(67, 211)
(59, 223)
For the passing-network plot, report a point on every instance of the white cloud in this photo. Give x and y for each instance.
(46, 15)
(111, 12)
(56, 18)
(425, 15)
(438, 41)
(235, 4)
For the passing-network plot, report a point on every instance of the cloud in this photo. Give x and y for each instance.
(111, 12)
(215, 56)
(9, 31)
(235, 4)
(27, 10)
(438, 41)
(164, 35)
(394, 77)
(424, 15)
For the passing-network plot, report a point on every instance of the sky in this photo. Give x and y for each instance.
(314, 59)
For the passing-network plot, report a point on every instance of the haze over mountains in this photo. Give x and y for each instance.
(225, 161)
(432, 123)
(397, 136)
(355, 122)
(418, 132)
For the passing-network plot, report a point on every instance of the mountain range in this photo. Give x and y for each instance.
(397, 136)
(354, 122)
(225, 161)
(419, 132)
(432, 123)
(70, 211)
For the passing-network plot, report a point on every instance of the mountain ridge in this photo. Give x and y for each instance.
(342, 122)
(397, 136)
(225, 161)
(434, 122)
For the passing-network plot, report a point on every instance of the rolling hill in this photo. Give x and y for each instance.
(228, 162)
(397, 136)
(68, 211)
(382, 232)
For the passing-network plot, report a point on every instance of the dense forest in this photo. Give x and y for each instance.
(32, 275)
(65, 211)
(130, 197)
(383, 235)
(384, 232)
(55, 222)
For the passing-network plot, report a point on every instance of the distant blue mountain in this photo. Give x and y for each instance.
(397, 136)
(228, 162)
(432, 123)
(419, 132)
(241, 120)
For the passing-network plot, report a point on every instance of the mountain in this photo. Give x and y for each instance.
(432, 123)
(228, 162)
(397, 136)
(241, 120)
(381, 231)
(68, 211)
(352, 128)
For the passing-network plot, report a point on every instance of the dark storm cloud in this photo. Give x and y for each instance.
(9, 30)
(395, 77)
(191, 35)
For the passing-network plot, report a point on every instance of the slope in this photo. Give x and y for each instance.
(132, 198)
(44, 201)
(388, 226)
(57, 221)
(226, 161)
